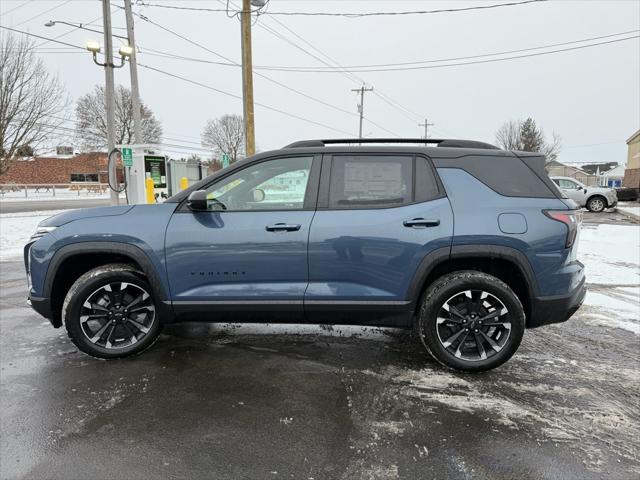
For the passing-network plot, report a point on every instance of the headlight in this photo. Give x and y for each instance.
(41, 232)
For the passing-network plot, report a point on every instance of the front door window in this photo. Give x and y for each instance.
(279, 184)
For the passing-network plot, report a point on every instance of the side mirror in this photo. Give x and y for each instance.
(258, 195)
(585, 190)
(197, 200)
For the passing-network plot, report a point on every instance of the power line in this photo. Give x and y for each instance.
(42, 13)
(236, 64)
(353, 14)
(16, 8)
(351, 77)
(426, 67)
(439, 60)
(41, 37)
(268, 107)
(239, 97)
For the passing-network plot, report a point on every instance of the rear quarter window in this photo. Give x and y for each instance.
(506, 175)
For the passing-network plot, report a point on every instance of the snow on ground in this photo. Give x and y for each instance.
(630, 209)
(611, 254)
(61, 194)
(15, 230)
(614, 309)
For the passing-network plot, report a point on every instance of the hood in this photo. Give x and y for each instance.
(71, 215)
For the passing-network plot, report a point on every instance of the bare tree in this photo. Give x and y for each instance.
(225, 135)
(32, 101)
(526, 136)
(92, 119)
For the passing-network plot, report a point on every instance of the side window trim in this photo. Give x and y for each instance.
(325, 180)
(434, 171)
(311, 193)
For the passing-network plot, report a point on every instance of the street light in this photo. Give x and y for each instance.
(125, 51)
(94, 47)
(52, 23)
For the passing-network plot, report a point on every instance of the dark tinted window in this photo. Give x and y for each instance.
(426, 183)
(508, 176)
(84, 177)
(370, 181)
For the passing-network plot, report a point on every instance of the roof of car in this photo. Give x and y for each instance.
(443, 143)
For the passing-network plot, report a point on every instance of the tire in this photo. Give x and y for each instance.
(110, 312)
(596, 204)
(453, 327)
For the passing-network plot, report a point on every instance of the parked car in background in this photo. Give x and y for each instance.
(326, 231)
(595, 199)
(627, 194)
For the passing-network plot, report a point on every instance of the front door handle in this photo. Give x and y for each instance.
(421, 222)
(282, 227)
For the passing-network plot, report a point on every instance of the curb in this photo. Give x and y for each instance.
(631, 215)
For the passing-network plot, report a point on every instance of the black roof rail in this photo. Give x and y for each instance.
(450, 143)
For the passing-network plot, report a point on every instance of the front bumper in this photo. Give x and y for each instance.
(42, 306)
(557, 308)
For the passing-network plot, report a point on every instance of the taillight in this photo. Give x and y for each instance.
(571, 218)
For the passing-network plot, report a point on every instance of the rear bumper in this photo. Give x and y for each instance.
(558, 308)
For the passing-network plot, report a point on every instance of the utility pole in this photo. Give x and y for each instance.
(361, 105)
(109, 92)
(133, 68)
(426, 126)
(247, 79)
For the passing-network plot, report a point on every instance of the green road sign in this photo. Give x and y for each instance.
(127, 157)
(225, 160)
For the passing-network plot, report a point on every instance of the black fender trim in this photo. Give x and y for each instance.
(428, 263)
(499, 251)
(455, 252)
(127, 250)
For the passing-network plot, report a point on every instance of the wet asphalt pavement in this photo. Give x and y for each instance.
(207, 402)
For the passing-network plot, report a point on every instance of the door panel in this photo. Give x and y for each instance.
(246, 255)
(360, 255)
(362, 259)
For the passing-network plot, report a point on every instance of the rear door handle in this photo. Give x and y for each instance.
(421, 222)
(282, 227)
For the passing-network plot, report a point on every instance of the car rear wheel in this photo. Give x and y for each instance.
(110, 312)
(596, 204)
(470, 321)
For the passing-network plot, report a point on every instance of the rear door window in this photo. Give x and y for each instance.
(370, 181)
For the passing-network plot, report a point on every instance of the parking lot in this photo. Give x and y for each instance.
(230, 402)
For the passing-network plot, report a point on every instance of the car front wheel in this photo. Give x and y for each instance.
(110, 312)
(471, 321)
(596, 204)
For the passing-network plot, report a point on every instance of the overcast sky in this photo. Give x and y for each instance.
(590, 96)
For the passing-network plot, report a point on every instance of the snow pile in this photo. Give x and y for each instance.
(611, 254)
(16, 229)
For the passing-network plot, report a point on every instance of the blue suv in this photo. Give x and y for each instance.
(463, 242)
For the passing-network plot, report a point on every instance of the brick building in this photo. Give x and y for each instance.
(84, 167)
(632, 169)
